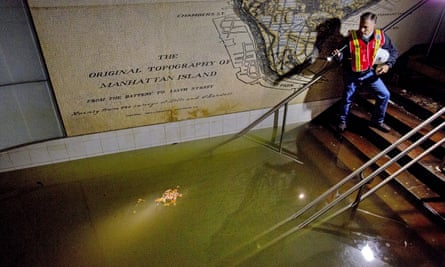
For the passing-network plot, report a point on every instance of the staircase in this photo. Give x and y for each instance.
(417, 91)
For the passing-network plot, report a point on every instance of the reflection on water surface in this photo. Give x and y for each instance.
(187, 205)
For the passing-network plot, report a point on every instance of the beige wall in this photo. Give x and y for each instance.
(122, 64)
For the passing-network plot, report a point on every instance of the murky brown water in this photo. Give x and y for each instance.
(103, 212)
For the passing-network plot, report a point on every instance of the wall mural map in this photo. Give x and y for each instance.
(139, 62)
(284, 35)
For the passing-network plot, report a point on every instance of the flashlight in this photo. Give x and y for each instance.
(331, 57)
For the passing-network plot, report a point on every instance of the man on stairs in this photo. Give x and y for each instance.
(368, 54)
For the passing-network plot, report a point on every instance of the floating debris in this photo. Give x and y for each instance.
(169, 197)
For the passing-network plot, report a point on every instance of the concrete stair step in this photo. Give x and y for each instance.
(420, 105)
(364, 142)
(430, 199)
(349, 158)
(402, 121)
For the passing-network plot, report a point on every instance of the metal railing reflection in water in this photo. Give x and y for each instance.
(259, 244)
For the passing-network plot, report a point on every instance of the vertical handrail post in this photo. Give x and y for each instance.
(358, 197)
(283, 126)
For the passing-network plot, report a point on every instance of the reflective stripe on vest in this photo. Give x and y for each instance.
(361, 59)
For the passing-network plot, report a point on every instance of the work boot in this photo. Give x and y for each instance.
(381, 126)
(341, 127)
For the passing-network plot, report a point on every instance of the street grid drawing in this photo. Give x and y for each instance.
(268, 39)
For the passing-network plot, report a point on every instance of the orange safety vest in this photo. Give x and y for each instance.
(362, 53)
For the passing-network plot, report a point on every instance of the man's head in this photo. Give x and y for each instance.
(368, 21)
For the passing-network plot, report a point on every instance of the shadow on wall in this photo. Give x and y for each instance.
(328, 39)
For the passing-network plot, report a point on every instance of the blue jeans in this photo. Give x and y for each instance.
(354, 80)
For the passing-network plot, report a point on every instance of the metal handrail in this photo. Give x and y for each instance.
(358, 172)
(315, 79)
(373, 174)
(275, 108)
(358, 186)
(368, 164)
(436, 31)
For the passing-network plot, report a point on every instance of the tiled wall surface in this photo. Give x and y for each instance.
(72, 148)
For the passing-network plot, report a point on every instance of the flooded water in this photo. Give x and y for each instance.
(108, 211)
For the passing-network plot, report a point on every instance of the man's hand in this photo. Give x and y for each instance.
(382, 69)
(336, 54)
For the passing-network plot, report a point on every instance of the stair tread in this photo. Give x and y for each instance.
(330, 142)
(405, 179)
(427, 104)
(429, 162)
(409, 182)
(325, 137)
(411, 121)
(334, 146)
